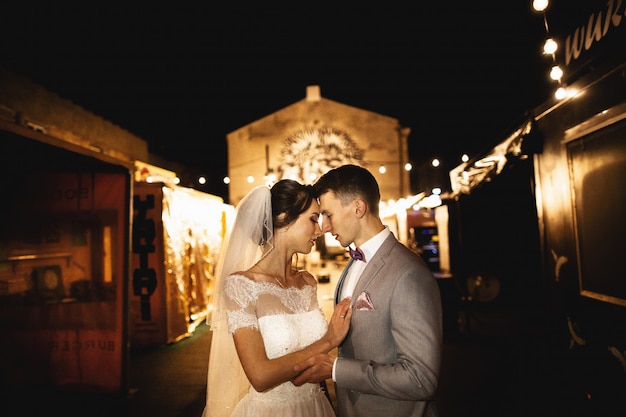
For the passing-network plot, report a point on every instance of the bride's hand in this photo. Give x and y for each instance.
(339, 322)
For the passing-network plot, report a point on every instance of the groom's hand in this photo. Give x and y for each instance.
(315, 369)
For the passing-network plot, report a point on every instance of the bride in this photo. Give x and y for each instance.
(266, 316)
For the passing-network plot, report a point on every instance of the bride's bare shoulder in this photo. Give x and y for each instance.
(253, 276)
(307, 277)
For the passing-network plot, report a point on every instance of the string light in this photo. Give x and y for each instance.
(556, 73)
(560, 93)
(540, 5)
(549, 48)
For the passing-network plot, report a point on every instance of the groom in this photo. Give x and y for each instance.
(388, 365)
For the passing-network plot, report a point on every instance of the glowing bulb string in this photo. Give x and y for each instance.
(556, 73)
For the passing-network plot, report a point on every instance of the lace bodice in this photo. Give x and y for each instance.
(288, 318)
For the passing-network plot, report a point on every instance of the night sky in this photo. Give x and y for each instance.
(182, 76)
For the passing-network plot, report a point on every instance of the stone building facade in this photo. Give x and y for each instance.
(304, 140)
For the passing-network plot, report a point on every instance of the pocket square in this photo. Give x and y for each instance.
(364, 302)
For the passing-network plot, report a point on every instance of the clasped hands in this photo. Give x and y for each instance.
(319, 367)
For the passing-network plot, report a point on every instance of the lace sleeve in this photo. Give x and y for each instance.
(240, 303)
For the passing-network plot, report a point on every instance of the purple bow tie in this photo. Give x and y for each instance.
(357, 254)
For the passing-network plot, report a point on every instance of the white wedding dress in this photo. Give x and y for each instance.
(289, 319)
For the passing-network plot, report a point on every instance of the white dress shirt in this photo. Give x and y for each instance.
(369, 249)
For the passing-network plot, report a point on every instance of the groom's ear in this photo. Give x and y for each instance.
(360, 207)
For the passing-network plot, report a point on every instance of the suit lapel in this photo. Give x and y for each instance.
(369, 273)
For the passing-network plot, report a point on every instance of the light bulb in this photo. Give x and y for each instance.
(556, 72)
(550, 46)
(540, 5)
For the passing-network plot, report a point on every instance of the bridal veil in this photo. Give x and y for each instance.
(245, 243)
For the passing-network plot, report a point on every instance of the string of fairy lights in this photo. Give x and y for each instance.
(550, 47)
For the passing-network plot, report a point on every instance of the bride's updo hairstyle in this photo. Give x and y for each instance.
(289, 200)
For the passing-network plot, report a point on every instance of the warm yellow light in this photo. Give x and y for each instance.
(202, 180)
(550, 46)
(465, 157)
(556, 73)
(382, 169)
(540, 5)
(566, 92)
(107, 255)
(408, 166)
(560, 93)
(435, 162)
(250, 179)
(226, 180)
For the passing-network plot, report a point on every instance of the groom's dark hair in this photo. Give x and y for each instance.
(349, 182)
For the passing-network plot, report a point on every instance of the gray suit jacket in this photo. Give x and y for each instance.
(389, 363)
